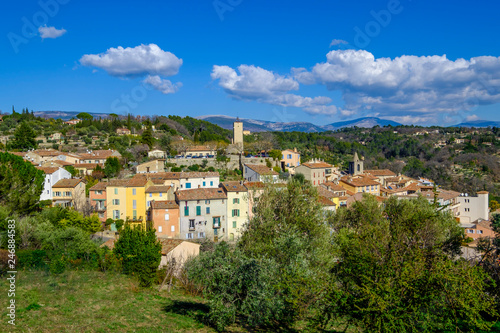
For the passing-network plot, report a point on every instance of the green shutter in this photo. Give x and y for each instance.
(198, 210)
(186, 211)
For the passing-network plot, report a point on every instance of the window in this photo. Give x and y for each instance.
(469, 231)
(172, 228)
(161, 194)
(211, 183)
(186, 211)
(48, 191)
(373, 188)
(98, 192)
(160, 229)
(191, 224)
(116, 191)
(201, 235)
(236, 212)
(116, 214)
(215, 232)
(134, 204)
(234, 224)
(134, 214)
(231, 237)
(207, 202)
(198, 210)
(204, 184)
(208, 210)
(189, 236)
(479, 231)
(134, 192)
(116, 201)
(289, 156)
(188, 185)
(236, 201)
(216, 222)
(167, 217)
(150, 195)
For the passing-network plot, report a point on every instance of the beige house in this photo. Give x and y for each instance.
(86, 169)
(381, 175)
(154, 166)
(290, 158)
(98, 156)
(360, 184)
(123, 131)
(317, 172)
(177, 250)
(200, 151)
(157, 154)
(259, 173)
(69, 193)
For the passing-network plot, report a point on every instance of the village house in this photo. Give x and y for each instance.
(478, 229)
(316, 172)
(157, 154)
(473, 208)
(72, 121)
(165, 218)
(177, 251)
(200, 151)
(40, 156)
(203, 213)
(154, 166)
(165, 178)
(97, 198)
(86, 169)
(123, 131)
(192, 180)
(98, 156)
(237, 208)
(255, 190)
(52, 176)
(290, 158)
(360, 184)
(381, 175)
(69, 193)
(259, 173)
(159, 193)
(116, 199)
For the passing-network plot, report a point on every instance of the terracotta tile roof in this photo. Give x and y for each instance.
(48, 152)
(110, 243)
(88, 165)
(101, 186)
(357, 182)
(317, 165)
(261, 169)
(17, 153)
(325, 193)
(163, 175)
(165, 204)
(199, 174)
(483, 192)
(67, 183)
(447, 195)
(254, 185)
(137, 182)
(381, 172)
(412, 187)
(201, 194)
(333, 186)
(48, 170)
(97, 154)
(234, 186)
(118, 182)
(158, 189)
(59, 162)
(168, 244)
(325, 201)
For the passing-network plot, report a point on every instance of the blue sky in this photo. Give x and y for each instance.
(418, 62)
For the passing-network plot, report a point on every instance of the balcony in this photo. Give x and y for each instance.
(134, 219)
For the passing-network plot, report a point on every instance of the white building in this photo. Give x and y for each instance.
(259, 173)
(192, 180)
(52, 176)
(202, 214)
(474, 208)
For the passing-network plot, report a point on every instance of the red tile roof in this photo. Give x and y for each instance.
(158, 189)
(201, 194)
(317, 165)
(261, 169)
(357, 182)
(199, 174)
(381, 172)
(63, 183)
(234, 186)
(165, 204)
(48, 170)
(101, 186)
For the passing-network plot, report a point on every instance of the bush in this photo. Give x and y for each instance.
(58, 265)
(32, 259)
(140, 253)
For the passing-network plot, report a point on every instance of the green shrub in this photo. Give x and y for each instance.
(32, 259)
(58, 265)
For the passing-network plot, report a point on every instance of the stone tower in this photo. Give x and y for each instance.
(356, 167)
(238, 134)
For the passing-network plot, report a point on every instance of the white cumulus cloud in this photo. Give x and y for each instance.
(50, 32)
(338, 42)
(257, 84)
(136, 61)
(416, 88)
(162, 85)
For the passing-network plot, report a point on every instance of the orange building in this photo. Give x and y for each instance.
(165, 218)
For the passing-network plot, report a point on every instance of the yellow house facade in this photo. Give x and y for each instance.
(237, 208)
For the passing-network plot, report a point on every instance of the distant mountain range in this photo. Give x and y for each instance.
(479, 123)
(253, 125)
(66, 115)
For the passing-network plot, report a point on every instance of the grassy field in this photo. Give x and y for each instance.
(88, 301)
(79, 301)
